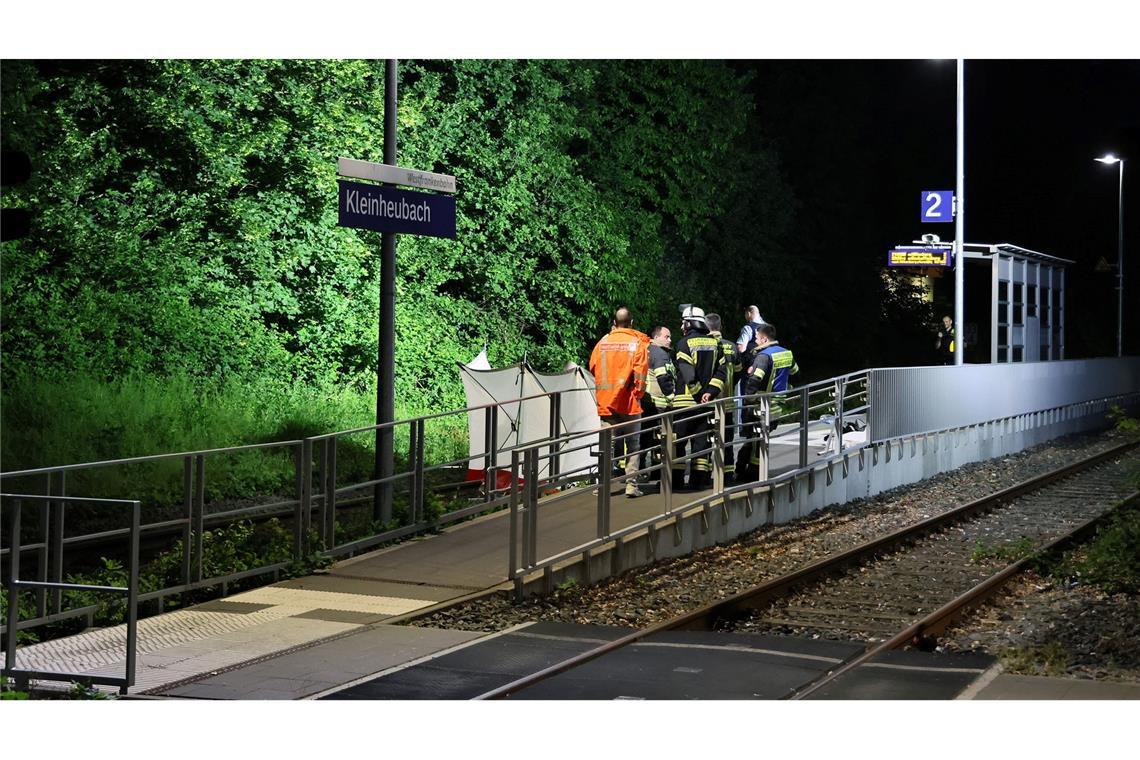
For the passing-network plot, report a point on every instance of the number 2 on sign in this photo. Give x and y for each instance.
(932, 211)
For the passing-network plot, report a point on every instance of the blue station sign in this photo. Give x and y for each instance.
(937, 205)
(386, 209)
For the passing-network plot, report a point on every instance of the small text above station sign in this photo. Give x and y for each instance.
(395, 175)
(386, 209)
(937, 206)
(919, 256)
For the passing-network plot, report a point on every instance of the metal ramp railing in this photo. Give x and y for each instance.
(47, 551)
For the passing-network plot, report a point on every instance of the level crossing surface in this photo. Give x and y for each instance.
(669, 665)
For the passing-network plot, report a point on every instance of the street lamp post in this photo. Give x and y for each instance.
(1111, 159)
(960, 221)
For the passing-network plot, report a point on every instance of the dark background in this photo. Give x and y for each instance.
(859, 140)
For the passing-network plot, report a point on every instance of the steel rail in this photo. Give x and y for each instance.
(947, 614)
(704, 618)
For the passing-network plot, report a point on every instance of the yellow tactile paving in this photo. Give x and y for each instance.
(181, 644)
(306, 599)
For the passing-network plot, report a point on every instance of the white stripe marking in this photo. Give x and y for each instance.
(417, 661)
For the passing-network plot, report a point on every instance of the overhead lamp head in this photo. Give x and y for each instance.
(1109, 159)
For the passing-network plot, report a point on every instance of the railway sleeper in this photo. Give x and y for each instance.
(804, 625)
(845, 613)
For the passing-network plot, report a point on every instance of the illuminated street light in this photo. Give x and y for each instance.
(960, 220)
(1111, 159)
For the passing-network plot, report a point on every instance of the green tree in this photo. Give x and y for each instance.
(186, 223)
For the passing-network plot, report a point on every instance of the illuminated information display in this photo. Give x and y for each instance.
(918, 256)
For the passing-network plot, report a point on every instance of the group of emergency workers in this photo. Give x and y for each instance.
(637, 374)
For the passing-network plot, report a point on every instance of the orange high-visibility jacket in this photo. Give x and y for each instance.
(620, 364)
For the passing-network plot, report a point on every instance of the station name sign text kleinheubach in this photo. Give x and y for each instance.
(386, 209)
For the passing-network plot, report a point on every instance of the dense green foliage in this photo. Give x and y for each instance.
(185, 217)
(184, 226)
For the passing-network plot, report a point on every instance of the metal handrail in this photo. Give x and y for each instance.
(438, 415)
(716, 415)
(315, 497)
(147, 458)
(14, 583)
(527, 511)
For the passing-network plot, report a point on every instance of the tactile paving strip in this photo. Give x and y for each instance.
(185, 643)
(330, 600)
(105, 646)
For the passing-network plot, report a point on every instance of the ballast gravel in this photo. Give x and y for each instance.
(1104, 629)
(1038, 626)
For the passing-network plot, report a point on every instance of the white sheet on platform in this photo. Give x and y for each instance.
(520, 422)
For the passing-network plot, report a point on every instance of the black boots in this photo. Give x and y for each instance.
(678, 480)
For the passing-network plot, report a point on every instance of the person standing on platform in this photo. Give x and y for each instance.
(746, 351)
(732, 367)
(661, 393)
(945, 343)
(700, 365)
(620, 363)
(770, 373)
(746, 343)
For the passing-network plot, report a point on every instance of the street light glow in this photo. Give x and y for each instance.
(1111, 159)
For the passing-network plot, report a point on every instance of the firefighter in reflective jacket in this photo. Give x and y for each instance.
(619, 363)
(732, 368)
(769, 373)
(661, 392)
(700, 364)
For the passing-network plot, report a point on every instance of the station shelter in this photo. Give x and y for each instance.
(1026, 304)
(1014, 301)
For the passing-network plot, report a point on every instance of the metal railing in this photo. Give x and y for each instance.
(47, 552)
(829, 412)
(185, 522)
(312, 496)
(682, 439)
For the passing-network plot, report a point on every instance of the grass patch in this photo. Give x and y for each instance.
(68, 420)
(1111, 560)
(64, 420)
(1049, 659)
(1006, 552)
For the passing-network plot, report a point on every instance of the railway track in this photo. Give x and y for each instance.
(870, 602)
(904, 587)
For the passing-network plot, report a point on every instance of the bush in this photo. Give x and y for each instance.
(1111, 561)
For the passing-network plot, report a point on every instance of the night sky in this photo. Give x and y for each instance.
(859, 140)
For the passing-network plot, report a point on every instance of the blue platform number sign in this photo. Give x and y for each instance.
(937, 205)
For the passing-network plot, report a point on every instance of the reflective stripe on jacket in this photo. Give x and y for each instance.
(771, 369)
(662, 378)
(700, 363)
(732, 366)
(620, 363)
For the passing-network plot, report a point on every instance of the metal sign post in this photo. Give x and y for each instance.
(390, 211)
(386, 369)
